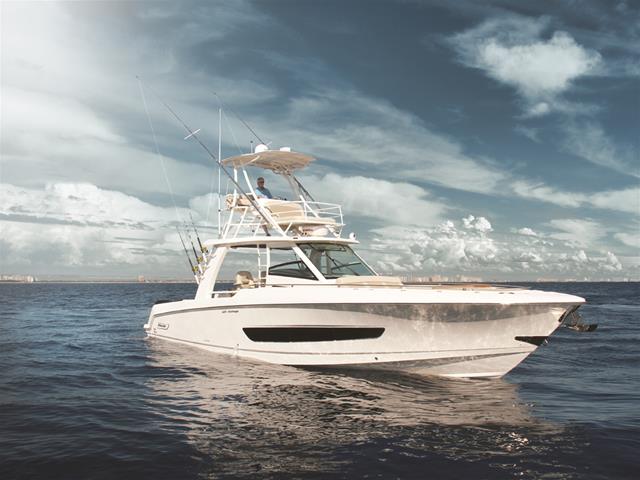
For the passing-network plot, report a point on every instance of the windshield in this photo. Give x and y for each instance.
(285, 263)
(332, 260)
(335, 261)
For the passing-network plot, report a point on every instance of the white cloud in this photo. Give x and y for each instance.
(49, 138)
(537, 69)
(65, 124)
(73, 119)
(510, 50)
(83, 204)
(539, 109)
(588, 140)
(611, 263)
(527, 257)
(379, 135)
(480, 224)
(630, 239)
(526, 231)
(66, 119)
(80, 226)
(451, 248)
(444, 246)
(627, 200)
(531, 133)
(71, 106)
(397, 202)
(542, 192)
(580, 257)
(577, 231)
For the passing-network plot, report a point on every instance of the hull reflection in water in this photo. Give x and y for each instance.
(251, 416)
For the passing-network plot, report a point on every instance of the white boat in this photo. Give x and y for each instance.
(308, 299)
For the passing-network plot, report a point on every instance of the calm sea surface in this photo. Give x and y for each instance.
(84, 395)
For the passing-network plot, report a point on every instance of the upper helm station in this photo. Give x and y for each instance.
(303, 232)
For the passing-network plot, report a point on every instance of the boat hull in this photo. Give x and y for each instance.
(448, 339)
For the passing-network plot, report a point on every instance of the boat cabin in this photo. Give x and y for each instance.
(277, 263)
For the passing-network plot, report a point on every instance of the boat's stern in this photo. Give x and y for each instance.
(162, 308)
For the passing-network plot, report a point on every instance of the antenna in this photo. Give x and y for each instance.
(219, 156)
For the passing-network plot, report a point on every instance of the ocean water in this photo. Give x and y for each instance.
(84, 395)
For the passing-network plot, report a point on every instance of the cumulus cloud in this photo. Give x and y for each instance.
(511, 51)
(453, 247)
(538, 69)
(527, 232)
(479, 224)
(445, 246)
(83, 227)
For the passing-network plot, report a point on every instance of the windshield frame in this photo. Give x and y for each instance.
(329, 264)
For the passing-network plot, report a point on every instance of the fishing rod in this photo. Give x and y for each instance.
(193, 269)
(202, 248)
(193, 247)
(239, 118)
(193, 134)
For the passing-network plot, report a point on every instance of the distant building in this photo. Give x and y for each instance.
(440, 279)
(18, 278)
(141, 279)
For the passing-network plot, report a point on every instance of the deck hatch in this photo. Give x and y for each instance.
(311, 334)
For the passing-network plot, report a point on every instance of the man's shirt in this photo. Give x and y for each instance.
(264, 192)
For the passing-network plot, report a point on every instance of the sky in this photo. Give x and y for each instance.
(497, 140)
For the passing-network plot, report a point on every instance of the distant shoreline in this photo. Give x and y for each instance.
(132, 282)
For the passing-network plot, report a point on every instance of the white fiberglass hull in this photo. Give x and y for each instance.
(427, 332)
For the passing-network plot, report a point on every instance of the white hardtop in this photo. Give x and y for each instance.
(279, 161)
